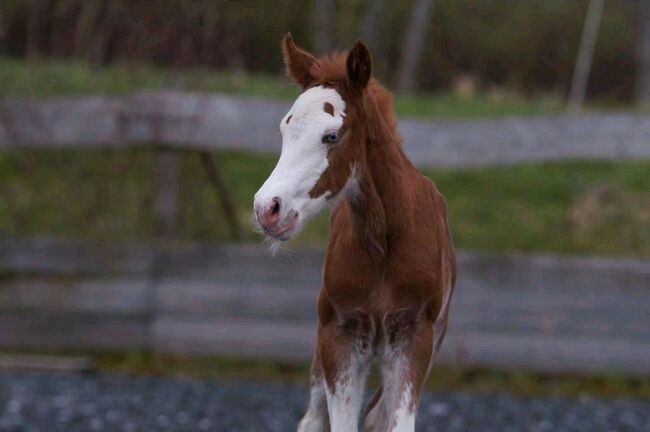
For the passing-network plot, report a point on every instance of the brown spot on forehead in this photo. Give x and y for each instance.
(329, 108)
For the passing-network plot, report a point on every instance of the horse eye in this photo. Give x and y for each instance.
(331, 138)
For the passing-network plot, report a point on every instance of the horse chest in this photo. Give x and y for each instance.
(378, 292)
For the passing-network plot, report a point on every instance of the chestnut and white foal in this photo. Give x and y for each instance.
(389, 270)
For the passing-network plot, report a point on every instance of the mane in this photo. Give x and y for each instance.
(331, 68)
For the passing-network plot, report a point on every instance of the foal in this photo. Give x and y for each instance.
(389, 269)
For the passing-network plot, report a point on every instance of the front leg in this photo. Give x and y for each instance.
(344, 348)
(316, 419)
(405, 360)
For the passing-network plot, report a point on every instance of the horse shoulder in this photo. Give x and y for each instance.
(447, 256)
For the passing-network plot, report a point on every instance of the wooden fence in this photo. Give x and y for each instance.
(551, 314)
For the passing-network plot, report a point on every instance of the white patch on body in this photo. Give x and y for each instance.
(316, 417)
(397, 397)
(404, 417)
(304, 155)
(344, 403)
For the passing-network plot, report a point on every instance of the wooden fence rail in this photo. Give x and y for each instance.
(212, 122)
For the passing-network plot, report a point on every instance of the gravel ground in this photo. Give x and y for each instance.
(52, 403)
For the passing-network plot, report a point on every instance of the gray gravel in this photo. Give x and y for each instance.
(52, 403)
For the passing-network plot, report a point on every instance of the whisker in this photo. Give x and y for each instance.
(274, 245)
(285, 250)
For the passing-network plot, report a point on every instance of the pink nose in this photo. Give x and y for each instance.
(268, 216)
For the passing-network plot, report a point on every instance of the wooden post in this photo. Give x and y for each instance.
(214, 175)
(585, 56)
(165, 191)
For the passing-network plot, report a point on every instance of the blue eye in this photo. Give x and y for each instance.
(331, 138)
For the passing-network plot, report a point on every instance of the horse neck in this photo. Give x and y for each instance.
(378, 211)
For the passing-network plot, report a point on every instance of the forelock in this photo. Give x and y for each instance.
(330, 68)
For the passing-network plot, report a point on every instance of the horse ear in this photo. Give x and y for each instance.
(298, 62)
(359, 66)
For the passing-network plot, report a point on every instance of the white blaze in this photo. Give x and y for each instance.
(304, 155)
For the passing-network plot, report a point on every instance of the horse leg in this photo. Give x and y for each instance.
(316, 419)
(345, 357)
(404, 367)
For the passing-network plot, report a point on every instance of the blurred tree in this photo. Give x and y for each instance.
(416, 32)
(95, 23)
(210, 27)
(32, 43)
(528, 45)
(370, 23)
(323, 28)
(585, 55)
(7, 8)
(643, 80)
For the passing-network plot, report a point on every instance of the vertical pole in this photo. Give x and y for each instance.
(585, 56)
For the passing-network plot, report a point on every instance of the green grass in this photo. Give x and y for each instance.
(441, 378)
(576, 207)
(579, 207)
(445, 379)
(484, 381)
(61, 78)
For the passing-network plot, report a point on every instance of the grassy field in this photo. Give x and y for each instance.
(57, 78)
(447, 379)
(582, 207)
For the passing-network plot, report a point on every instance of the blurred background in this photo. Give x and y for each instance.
(134, 134)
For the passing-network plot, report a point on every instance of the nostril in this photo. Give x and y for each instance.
(275, 206)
